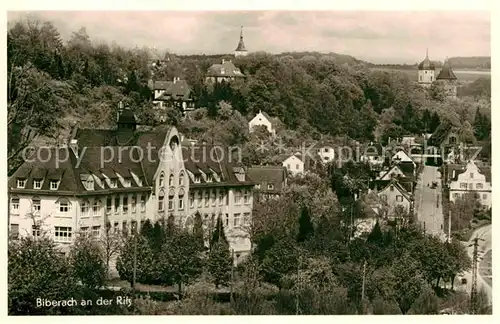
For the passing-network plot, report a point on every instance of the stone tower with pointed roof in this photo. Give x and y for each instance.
(426, 71)
(448, 79)
(240, 49)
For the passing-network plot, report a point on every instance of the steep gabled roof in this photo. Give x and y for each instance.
(241, 44)
(446, 72)
(226, 69)
(265, 175)
(178, 90)
(400, 188)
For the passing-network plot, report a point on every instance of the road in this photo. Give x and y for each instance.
(429, 214)
(484, 278)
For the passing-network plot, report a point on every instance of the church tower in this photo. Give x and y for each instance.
(448, 78)
(426, 70)
(240, 50)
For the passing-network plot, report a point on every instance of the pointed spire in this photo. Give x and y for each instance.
(241, 44)
(241, 33)
(427, 53)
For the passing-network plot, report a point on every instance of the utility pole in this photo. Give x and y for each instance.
(297, 306)
(232, 279)
(135, 262)
(475, 259)
(363, 289)
(449, 226)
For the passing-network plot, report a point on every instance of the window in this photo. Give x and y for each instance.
(246, 218)
(96, 231)
(117, 205)
(36, 205)
(36, 231)
(161, 181)
(191, 200)
(207, 198)
(124, 228)
(212, 197)
(113, 183)
(134, 203)
(479, 186)
(161, 201)
(236, 220)
(171, 200)
(14, 206)
(399, 198)
(197, 179)
(199, 198)
(463, 185)
(471, 175)
(296, 166)
(84, 209)
(90, 184)
(64, 206)
(108, 205)
(181, 178)
(171, 180)
(62, 234)
(209, 178)
(485, 196)
(391, 188)
(471, 186)
(14, 231)
(37, 184)
(133, 226)
(84, 231)
(432, 78)
(456, 195)
(96, 208)
(128, 182)
(125, 204)
(54, 184)
(21, 183)
(326, 150)
(246, 197)
(237, 197)
(420, 78)
(383, 197)
(257, 186)
(181, 199)
(227, 220)
(221, 197)
(143, 203)
(288, 166)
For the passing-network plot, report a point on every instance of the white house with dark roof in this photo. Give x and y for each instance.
(176, 93)
(293, 163)
(262, 119)
(226, 71)
(103, 180)
(470, 179)
(269, 180)
(395, 196)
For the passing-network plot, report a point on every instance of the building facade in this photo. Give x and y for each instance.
(396, 197)
(470, 179)
(120, 178)
(269, 181)
(262, 119)
(293, 164)
(426, 71)
(226, 72)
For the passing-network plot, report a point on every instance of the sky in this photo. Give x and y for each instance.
(382, 37)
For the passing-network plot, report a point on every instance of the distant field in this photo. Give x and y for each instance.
(466, 76)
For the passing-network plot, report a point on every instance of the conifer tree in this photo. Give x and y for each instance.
(306, 229)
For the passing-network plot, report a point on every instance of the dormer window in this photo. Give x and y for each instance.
(127, 182)
(37, 184)
(54, 184)
(21, 183)
(210, 178)
(197, 179)
(257, 186)
(161, 181)
(113, 183)
(89, 184)
(222, 71)
(171, 180)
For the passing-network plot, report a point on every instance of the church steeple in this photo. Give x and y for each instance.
(240, 49)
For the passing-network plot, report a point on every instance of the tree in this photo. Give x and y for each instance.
(426, 304)
(482, 126)
(37, 270)
(181, 259)
(219, 263)
(459, 260)
(306, 229)
(110, 243)
(87, 262)
(198, 230)
(280, 260)
(409, 282)
(435, 122)
(146, 263)
(218, 234)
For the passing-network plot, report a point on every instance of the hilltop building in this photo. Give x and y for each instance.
(446, 77)
(240, 49)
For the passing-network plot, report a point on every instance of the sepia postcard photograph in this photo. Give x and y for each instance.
(265, 162)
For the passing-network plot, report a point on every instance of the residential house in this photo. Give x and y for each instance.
(395, 196)
(122, 177)
(401, 156)
(262, 119)
(373, 154)
(294, 163)
(177, 94)
(269, 180)
(403, 173)
(326, 151)
(446, 134)
(470, 178)
(226, 71)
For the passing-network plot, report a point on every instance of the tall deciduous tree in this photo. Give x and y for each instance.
(219, 263)
(87, 262)
(306, 229)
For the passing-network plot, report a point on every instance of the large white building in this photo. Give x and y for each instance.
(122, 177)
(470, 179)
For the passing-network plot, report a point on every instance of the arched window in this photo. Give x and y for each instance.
(64, 205)
(171, 195)
(85, 208)
(90, 183)
(161, 180)
(181, 178)
(161, 201)
(181, 199)
(171, 180)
